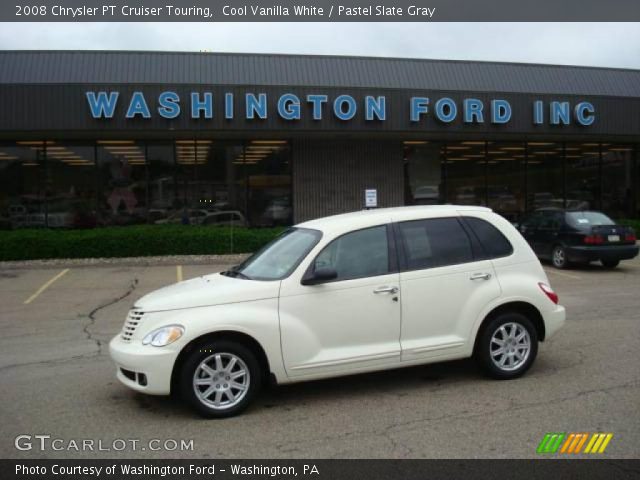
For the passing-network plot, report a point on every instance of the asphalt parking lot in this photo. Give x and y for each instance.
(57, 379)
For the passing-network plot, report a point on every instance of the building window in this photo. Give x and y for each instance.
(161, 193)
(466, 169)
(251, 181)
(23, 184)
(636, 191)
(617, 179)
(122, 178)
(545, 175)
(267, 169)
(422, 173)
(582, 164)
(71, 192)
(506, 178)
(208, 179)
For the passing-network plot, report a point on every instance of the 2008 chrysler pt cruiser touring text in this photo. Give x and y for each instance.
(351, 293)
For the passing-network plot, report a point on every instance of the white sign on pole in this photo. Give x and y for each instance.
(371, 198)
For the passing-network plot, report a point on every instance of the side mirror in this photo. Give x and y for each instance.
(320, 275)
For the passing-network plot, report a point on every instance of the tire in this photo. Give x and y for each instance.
(488, 345)
(559, 257)
(610, 263)
(218, 394)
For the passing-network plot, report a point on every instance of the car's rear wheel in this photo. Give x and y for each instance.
(610, 263)
(559, 257)
(220, 379)
(507, 346)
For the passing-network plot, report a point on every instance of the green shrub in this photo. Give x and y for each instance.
(132, 241)
(635, 224)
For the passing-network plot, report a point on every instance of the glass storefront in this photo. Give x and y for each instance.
(75, 184)
(60, 184)
(514, 178)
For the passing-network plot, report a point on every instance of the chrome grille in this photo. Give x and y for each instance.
(131, 324)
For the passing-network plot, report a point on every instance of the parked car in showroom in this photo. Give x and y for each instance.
(326, 297)
(568, 237)
(426, 195)
(191, 216)
(225, 218)
(278, 212)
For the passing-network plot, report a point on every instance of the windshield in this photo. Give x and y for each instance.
(278, 258)
(588, 219)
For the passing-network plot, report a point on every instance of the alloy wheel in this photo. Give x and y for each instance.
(559, 257)
(221, 381)
(510, 346)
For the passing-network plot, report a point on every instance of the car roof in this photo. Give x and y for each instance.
(379, 216)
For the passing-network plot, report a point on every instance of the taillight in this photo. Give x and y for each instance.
(594, 239)
(553, 296)
(630, 237)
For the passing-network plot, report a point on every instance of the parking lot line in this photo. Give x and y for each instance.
(179, 273)
(45, 286)
(562, 274)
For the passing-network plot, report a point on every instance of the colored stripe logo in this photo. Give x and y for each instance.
(573, 443)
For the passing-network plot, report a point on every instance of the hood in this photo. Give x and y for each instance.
(205, 291)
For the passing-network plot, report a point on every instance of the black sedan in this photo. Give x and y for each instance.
(578, 237)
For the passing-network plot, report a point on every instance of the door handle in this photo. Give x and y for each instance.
(385, 289)
(480, 276)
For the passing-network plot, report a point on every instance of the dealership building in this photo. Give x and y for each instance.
(94, 138)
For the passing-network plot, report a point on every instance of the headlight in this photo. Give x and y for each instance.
(163, 336)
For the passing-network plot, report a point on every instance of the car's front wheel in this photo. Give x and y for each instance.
(220, 378)
(507, 346)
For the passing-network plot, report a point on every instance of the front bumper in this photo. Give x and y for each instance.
(610, 252)
(151, 366)
(554, 320)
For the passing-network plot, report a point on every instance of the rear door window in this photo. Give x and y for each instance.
(551, 220)
(434, 242)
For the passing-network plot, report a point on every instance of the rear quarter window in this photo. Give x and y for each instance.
(493, 242)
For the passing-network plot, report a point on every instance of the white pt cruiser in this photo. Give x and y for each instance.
(351, 293)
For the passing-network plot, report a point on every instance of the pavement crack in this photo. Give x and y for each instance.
(92, 314)
(86, 330)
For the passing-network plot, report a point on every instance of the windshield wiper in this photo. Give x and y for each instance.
(235, 274)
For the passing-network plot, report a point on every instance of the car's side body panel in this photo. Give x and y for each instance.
(439, 307)
(334, 327)
(257, 319)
